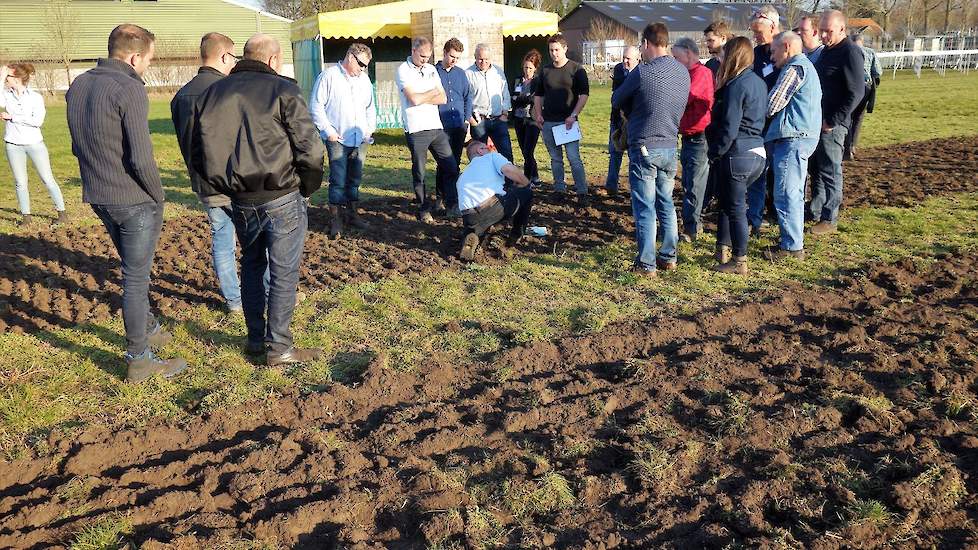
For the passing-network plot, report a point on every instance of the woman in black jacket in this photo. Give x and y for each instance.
(527, 132)
(736, 149)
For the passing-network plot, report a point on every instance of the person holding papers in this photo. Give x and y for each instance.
(561, 94)
(653, 99)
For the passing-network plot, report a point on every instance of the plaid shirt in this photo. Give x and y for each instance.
(788, 83)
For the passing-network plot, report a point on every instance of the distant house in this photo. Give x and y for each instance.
(30, 27)
(623, 21)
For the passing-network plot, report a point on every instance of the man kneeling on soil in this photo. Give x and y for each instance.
(483, 200)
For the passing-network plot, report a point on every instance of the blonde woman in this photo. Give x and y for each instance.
(736, 148)
(24, 113)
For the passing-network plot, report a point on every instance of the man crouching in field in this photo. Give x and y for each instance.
(485, 202)
(254, 141)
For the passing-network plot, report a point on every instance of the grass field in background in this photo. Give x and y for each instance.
(65, 379)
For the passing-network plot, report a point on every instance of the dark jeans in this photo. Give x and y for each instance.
(498, 131)
(696, 173)
(345, 171)
(852, 137)
(456, 139)
(826, 171)
(760, 192)
(734, 173)
(527, 135)
(134, 231)
(515, 204)
(271, 236)
(436, 141)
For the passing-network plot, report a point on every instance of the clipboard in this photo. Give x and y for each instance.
(562, 135)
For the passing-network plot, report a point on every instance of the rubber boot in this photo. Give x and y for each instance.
(354, 218)
(737, 266)
(336, 222)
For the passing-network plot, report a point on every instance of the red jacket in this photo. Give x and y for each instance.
(697, 115)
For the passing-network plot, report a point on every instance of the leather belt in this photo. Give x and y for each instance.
(486, 204)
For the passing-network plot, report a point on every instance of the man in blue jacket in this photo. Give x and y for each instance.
(840, 71)
(454, 113)
(795, 111)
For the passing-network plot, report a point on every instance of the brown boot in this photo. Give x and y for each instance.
(722, 254)
(354, 219)
(62, 219)
(736, 266)
(335, 223)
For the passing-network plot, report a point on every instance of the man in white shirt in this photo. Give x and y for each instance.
(484, 201)
(491, 102)
(421, 94)
(342, 108)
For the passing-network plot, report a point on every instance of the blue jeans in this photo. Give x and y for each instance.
(345, 171)
(789, 160)
(615, 157)
(222, 252)
(827, 176)
(498, 131)
(557, 160)
(736, 171)
(757, 191)
(272, 236)
(696, 172)
(652, 179)
(17, 157)
(134, 230)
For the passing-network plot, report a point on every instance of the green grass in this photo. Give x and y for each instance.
(62, 380)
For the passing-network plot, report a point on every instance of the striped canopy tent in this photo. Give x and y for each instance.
(388, 29)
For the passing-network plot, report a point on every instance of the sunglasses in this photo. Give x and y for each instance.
(361, 63)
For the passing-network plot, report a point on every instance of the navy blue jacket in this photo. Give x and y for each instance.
(737, 119)
(456, 112)
(840, 70)
(653, 97)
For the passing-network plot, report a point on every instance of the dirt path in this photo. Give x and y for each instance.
(60, 279)
(824, 418)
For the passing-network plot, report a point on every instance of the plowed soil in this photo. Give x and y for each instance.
(71, 276)
(821, 418)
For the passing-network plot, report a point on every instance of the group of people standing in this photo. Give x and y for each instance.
(254, 149)
(754, 123)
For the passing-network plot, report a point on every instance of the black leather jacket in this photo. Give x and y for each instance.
(253, 137)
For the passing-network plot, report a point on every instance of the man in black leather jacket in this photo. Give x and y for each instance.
(254, 141)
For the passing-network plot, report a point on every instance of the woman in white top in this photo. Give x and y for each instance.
(24, 113)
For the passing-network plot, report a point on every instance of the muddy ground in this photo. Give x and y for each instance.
(70, 276)
(822, 418)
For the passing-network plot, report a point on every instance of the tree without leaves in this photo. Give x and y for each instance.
(61, 30)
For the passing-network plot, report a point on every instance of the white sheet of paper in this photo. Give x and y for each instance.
(562, 135)
(767, 70)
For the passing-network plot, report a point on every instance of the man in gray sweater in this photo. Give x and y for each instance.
(108, 112)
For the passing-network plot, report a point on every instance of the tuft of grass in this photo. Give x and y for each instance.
(550, 493)
(733, 415)
(875, 405)
(483, 528)
(957, 403)
(945, 482)
(651, 464)
(656, 425)
(869, 511)
(106, 533)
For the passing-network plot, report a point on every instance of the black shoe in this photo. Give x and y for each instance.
(292, 356)
(469, 245)
(439, 208)
(255, 348)
(146, 365)
(514, 240)
(583, 201)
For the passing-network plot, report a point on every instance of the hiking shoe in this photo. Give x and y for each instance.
(26, 220)
(686, 238)
(583, 201)
(293, 356)
(643, 273)
(439, 207)
(722, 254)
(159, 337)
(254, 348)
(665, 265)
(776, 254)
(335, 222)
(823, 228)
(61, 220)
(453, 213)
(469, 245)
(354, 219)
(146, 365)
(736, 266)
(425, 217)
(513, 241)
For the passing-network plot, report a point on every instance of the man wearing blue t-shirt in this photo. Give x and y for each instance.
(485, 202)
